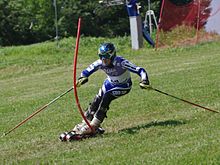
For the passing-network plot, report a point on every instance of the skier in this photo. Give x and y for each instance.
(117, 83)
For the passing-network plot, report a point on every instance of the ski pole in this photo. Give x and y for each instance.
(36, 112)
(186, 101)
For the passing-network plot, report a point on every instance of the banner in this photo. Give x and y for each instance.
(188, 12)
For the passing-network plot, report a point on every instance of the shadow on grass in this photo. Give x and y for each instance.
(135, 129)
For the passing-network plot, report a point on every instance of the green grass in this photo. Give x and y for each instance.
(144, 127)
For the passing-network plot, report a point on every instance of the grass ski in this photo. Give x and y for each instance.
(73, 136)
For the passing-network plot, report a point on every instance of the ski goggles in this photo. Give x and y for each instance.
(105, 56)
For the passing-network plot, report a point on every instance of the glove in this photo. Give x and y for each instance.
(144, 84)
(81, 81)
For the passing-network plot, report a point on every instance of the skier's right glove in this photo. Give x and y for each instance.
(144, 84)
(81, 81)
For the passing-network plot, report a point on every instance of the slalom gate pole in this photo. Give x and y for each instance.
(38, 111)
(74, 76)
(197, 105)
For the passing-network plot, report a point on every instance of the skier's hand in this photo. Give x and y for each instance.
(144, 84)
(81, 81)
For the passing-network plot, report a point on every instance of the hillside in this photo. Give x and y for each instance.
(144, 127)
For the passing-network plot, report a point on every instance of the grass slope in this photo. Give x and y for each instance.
(143, 127)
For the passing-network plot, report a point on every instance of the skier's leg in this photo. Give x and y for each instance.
(98, 109)
(91, 110)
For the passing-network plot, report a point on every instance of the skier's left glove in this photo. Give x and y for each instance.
(145, 84)
(81, 81)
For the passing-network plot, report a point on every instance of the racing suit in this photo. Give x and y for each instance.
(117, 83)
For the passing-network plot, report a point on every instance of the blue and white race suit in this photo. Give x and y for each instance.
(117, 83)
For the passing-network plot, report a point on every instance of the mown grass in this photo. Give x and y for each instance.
(143, 127)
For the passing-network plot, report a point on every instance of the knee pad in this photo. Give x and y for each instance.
(95, 104)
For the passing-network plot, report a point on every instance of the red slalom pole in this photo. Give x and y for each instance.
(197, 105)
(74, 75)
(38, 111)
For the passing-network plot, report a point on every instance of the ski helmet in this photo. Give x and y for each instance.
(107, 51)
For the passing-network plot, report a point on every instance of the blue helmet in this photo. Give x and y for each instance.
(107, 51)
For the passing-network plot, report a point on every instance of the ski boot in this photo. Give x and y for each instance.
(74, 136)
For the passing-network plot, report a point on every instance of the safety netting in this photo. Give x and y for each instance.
(184, 22)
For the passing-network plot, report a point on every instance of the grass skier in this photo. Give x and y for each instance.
(117, 84)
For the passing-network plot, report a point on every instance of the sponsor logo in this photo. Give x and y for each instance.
(118, 93)
(109, 70)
